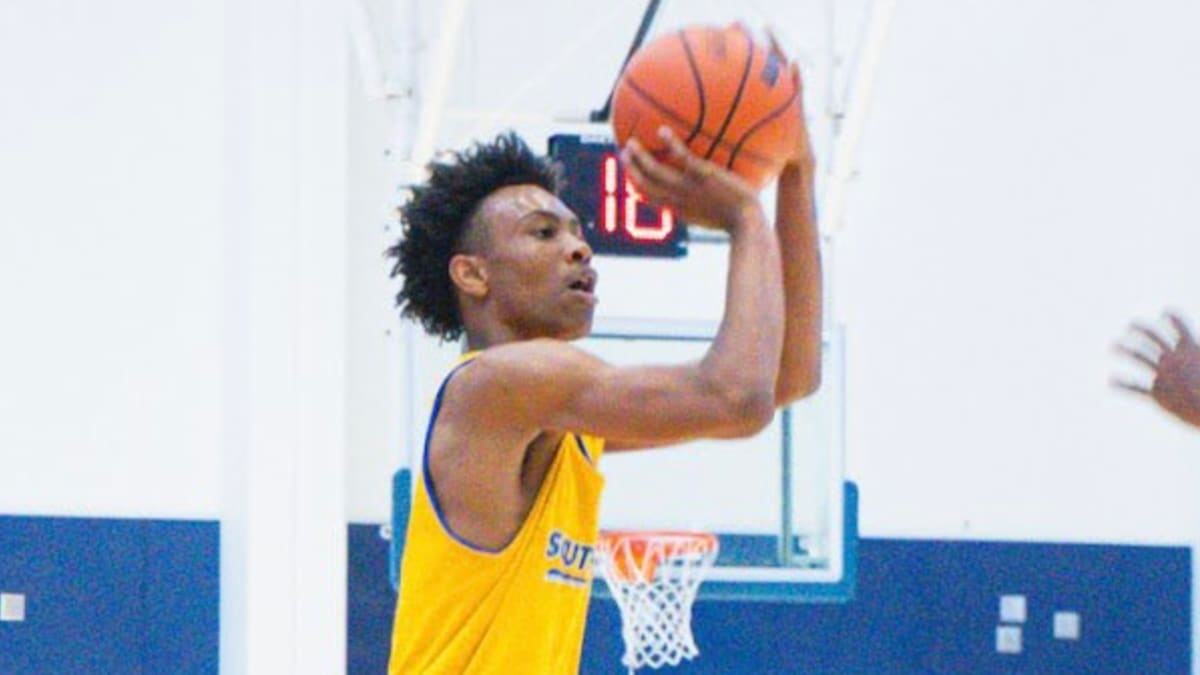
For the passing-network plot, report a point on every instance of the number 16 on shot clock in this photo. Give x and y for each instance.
(616, 219)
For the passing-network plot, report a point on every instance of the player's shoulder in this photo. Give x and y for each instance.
(518, 381)
(536, 357)
(522, 367)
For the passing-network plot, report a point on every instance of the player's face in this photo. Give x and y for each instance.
(539, 266)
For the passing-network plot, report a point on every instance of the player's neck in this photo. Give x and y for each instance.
(483, 337)
(483, 333)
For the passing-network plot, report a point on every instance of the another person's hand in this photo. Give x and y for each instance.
(1176, 367)
(699, 191)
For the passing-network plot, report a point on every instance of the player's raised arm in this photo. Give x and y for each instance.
(729, 392)
(799, 244)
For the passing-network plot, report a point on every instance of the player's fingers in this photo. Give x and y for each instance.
(794, 71)
(1185, 333)
(1151, 336)
(632, 165)
(646, 189)
(775, 46)
(1134, 387)
(676, 148)
(1138, 356)
(678, 152)
(651, 173)
(654, 181)
(636, 176)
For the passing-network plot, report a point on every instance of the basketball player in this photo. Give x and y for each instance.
(499, 549)
(1176, 368)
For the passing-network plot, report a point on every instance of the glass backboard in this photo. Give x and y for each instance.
(777, 501)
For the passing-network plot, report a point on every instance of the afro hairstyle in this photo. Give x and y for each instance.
(438, 215)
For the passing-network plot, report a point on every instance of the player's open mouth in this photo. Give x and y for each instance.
(585, 283)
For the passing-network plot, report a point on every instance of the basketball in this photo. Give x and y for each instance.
(732, 101)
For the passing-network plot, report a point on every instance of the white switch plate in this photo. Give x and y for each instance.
(1008, 639)
(1012, 609)
(1066, 625)
(12, 606)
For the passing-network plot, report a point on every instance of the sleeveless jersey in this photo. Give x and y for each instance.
(520, 609)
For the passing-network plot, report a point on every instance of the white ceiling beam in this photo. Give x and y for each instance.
(435, 88)
(849, 137)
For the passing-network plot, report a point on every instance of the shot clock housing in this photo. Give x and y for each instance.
(616, 219)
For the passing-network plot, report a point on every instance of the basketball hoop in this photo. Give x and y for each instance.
(654, 576)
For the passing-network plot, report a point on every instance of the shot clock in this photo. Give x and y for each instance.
(616, 219)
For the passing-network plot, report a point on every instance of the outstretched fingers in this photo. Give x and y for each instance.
(1150, 335)
(1186, 338)
(1138, 356)
(1128, 385)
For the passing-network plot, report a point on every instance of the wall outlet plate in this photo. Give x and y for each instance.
(1008, 639)
(1012, 609)
(12, 606)
(1066, 625)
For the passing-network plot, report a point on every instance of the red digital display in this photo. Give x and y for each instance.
(617, 220)
(623, 207)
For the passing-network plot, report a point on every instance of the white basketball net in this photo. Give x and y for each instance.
(654, 578)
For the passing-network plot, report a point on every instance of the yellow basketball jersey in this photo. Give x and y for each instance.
(520, 609)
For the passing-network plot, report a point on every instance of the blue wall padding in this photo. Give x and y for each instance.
(110, 595)
(933, 607)
(371, 602)
(141, 596)
(920, 607)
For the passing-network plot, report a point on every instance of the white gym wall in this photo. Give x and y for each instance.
(1025, 186)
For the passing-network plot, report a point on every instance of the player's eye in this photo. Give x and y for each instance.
(545, 232)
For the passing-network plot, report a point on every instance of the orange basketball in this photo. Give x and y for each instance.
(731, 100)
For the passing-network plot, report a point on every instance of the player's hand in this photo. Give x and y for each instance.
(699, 191)
(1176, 368)
(802, 155)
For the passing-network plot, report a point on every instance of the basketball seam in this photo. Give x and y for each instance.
(759, 125)
(675, 116)
(737, 98)
(687, 50)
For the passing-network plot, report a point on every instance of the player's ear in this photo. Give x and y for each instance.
(469, 274)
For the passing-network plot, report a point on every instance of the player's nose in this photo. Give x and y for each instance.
(580, 250)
